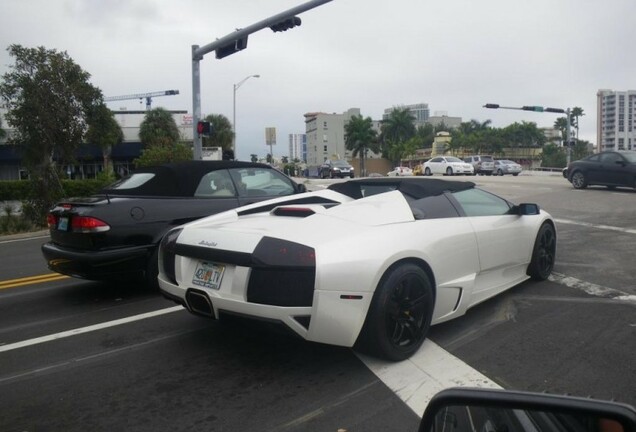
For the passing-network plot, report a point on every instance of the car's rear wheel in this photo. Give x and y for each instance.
(578, 180)
(400, 313)
(543, 253)
(427, 171)
(449, 171)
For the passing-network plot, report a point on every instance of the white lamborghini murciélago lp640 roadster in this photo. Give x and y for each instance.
(370, 263)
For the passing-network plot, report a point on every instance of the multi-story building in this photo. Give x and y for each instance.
(442, 117)
(616, 122)
(298, 147)
(326, 136)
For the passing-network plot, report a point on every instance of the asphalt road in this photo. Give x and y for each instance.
(114, 357)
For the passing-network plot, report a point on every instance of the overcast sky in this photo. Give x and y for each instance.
(455, 55)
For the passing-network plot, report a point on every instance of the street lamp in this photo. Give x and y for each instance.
(236, 87)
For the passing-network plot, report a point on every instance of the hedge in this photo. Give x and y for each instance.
(18, 190)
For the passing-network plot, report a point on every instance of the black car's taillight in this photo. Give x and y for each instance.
(87, 224)
(167, 253)
(51, 220)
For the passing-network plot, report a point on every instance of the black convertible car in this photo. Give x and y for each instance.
(608, 168)
(115, 233)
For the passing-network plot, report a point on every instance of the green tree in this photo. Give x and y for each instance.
(359, 138)
(48, 100)
(2, 132)
(104, 131)
(425, 135)
(553, 156)
(576, 113)
(561, 125)
(222, 133)
(160, 154)
(395, 131)
(524, 134)
(158, 128)
(254, 158)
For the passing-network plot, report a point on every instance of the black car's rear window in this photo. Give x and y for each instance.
(134, 181)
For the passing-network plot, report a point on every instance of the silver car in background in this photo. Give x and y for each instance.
(505, 166)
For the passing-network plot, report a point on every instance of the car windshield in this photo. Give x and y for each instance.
(341, 164)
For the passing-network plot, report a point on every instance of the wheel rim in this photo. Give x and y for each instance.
(546, 251)
(578, 179)
(406, 312)
(427, 171)
(449, 171)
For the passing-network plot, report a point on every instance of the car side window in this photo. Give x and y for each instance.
(433, 207)
(215, 184)
(437, 159)
(610, 158)
(477, 202)
(261, 182)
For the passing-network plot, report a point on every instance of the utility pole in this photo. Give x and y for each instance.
(536, 108)
(231, 44)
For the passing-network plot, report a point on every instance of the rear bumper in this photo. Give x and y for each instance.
(97, 265)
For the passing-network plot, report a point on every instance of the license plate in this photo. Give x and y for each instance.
(208, 275)
(62, 225)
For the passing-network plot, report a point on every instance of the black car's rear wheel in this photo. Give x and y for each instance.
(578, 180)
(400, 313)
(543, 253)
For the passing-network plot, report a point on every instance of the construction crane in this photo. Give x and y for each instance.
(147, 96)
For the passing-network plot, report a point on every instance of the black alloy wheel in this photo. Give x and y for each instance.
(578, 180)
(543, 254)
(400, 313)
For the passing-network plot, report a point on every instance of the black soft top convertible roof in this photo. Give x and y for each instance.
(415, 187)
(178, 178)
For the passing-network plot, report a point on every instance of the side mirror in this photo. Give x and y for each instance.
(487, 410)
(301, 188)
(528, 209)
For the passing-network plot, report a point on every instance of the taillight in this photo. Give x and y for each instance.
(86, 224)
(51, 220)
(282, 253)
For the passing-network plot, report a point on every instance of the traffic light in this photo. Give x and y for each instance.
(286, 24)
(554, 110)
(204, 128)
(491, 106)
(532, 108)
(231, 48)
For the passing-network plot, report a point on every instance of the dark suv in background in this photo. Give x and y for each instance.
(335, 168)
(481, 164)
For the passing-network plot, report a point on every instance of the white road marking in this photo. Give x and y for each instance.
(88, 329)
(591, 288)
(591, 225)
(428, 371)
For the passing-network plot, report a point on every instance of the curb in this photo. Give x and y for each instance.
(24, 235)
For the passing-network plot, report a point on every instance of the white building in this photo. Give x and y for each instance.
(420, 112)
(615, 120)
(297, 147)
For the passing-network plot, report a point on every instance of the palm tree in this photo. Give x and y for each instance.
(158, 128)
(562, 124)
(576, 113)
(359, 138)
(397, 129)
(221, 132)
(105, 132)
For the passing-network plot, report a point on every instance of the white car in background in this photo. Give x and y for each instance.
(447, 165)
(400, 172)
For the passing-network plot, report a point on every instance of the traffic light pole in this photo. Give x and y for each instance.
(536, 108)
(227, 45)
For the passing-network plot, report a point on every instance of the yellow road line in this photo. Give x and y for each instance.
(12, 283)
